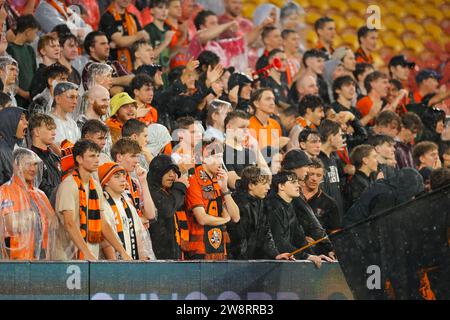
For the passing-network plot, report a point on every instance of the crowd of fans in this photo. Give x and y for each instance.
(160, 130)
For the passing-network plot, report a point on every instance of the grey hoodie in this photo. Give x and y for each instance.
(330, 67)
(9, 120)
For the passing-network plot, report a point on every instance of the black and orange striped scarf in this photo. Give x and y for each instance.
(119, 224)
(90, 218)
(134, 194)
(130, 28)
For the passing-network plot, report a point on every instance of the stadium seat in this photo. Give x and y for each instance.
(356, 22)
(358, 6)
(350, 39)
(303, 3)
(341, 5)
(312, 17)
(396, 9)
(434, 30)
(414, 45)
(340, 22)
(431, 11)
(323, 5)
(394, 25)
(337, 41)
(311, 37)
(394, 43)
(415, 11)
(415, 27)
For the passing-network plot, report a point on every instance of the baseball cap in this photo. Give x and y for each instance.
(107, 170)
(400, 60)
(295, 159)
(149, 69)
(119, 100)
(64, 86)
(238, 79)
(426, 74)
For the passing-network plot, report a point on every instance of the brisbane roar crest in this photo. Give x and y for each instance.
(215, 237)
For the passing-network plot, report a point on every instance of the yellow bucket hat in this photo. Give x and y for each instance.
(119, 100)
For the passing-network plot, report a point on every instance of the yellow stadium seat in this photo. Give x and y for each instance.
(303, 3)
(393, 25)
(323, 5)
(415, 27)
(337, 41)
(394, 43)
(431, 11)
(312, 17)
(414, 11)
(437, 3)
(351, 39)
(414, 45)
(358, 6)
(340, 5)
(311, 37)
(356, 22)
(340, 22)
(247, 10)
(446, 13)
(434, 30)
(396, 9)
(278, 3)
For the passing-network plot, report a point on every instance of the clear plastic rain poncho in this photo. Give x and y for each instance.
(95, 71)
(28, 223)
(48, 17)
(144, 243)
(10, 90)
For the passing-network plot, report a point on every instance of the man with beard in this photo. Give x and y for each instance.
(98, 104)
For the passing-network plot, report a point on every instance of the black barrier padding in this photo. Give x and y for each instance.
(163, 280)
(403, 242)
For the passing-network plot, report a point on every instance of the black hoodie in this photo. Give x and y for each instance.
(9, 121)
(167, 203)
(287, 231)
(251, 237)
